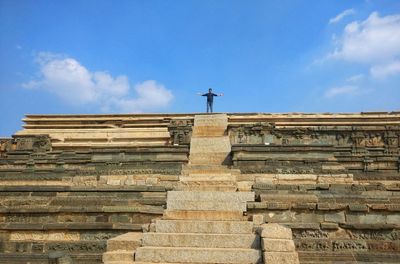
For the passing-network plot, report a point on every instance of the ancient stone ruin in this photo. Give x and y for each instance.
(197, 188)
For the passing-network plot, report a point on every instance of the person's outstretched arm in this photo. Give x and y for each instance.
(202, 94)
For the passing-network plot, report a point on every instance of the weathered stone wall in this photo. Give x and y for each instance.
(69, 183)
(334, 181)
(74, 200)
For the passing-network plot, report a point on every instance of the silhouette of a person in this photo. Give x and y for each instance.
(210, 99)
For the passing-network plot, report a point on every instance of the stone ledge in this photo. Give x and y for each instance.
(281, 257)
(275, 231)
(278, 245)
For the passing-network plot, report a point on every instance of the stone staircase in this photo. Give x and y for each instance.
(205, 220)
(209, 158)
(202, 227)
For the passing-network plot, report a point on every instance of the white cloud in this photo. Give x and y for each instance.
(376, 39)
(341, 90)
(151, 95)
(385, 70)
(355, 78)
(340, 16)
(75, 84)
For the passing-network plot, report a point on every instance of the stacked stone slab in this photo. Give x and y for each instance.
(120, 249)
(210, 149)
(209, 144)
(278, 245)
(195, 230)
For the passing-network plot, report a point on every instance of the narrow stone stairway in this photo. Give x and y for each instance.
(209, 158)
(204, 221)
(202, 227)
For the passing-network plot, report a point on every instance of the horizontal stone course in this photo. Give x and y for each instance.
(197, 255)
(185, 205)
(205, 215)
(278, 245)
(281, 257)
(126, 242)
(193, 226)
(201, 240)
(210, 196)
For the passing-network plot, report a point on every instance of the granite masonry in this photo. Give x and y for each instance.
(162, 188)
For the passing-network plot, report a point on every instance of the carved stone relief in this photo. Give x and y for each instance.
(180, 131)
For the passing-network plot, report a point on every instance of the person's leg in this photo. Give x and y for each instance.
(211, 106)
(208, 106)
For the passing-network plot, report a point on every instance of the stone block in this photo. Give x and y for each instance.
(205, 215)
(182, 205)
(209, 145)
(216, 227)
(201, 240)
(211, 196)
(393, 207)
(245, 186)
(275, 231)
(120, 256)
(128, 242)
(278, 245)
(305, 198)
(219, 120)
(197, 255)
(304, 206)
(393, 219)
(329, 225)
(281, 257)
(258, 219)
(358, 207)
(209, 131)
(338, 217)
(297, 177)
(360, 218)
(330, 206)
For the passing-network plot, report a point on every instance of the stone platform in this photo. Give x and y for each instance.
(94, 184)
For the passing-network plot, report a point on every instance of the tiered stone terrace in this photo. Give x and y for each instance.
(75, 183)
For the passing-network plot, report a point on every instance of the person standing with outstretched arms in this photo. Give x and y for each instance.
(210, 98)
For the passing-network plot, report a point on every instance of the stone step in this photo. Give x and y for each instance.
(198, 255)
(207, 186)
(220, 120)
(119, 255)
(128, 242)
(211, 158)
(188, 172)
(210, 145)
(213, 227)
(119, 262)
(209, 131)
(207, 167)
(208, 177)
(211, 196)
(192, 205)
(205, 215)
(201, 240)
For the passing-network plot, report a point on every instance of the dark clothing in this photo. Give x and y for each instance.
(210, 99)
(209, 107)
(210, 96)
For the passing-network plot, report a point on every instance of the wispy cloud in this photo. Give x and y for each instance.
(355, 78)
(341, 90)
(340, 16)
(385, 70)
(373, 40)
(74, 83)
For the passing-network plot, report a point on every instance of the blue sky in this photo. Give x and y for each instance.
(154, 56)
